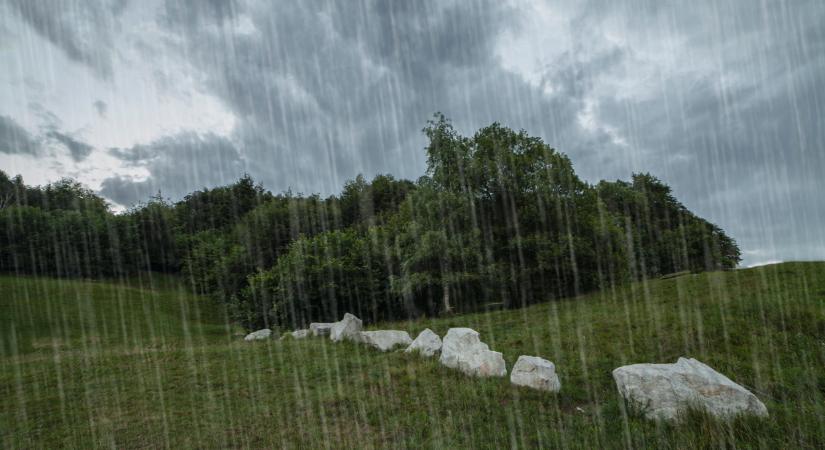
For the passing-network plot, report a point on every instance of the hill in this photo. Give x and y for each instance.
(142, 363)
(497, 217)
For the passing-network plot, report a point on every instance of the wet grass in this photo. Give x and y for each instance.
(92, 364)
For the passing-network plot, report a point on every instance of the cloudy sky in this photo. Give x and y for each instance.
(723, 100)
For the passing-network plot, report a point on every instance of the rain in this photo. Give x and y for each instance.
(412, 224)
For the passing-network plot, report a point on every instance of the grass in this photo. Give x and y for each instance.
(93, 364)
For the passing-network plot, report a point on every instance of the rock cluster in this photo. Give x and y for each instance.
(660, 391)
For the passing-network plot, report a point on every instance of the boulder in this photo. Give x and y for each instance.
(535, 372)
(320, 329)
(663, 391)
(463, 350)
(258, 335)
(300, 334)
(385, 340)
(427, 343)
(347, 328)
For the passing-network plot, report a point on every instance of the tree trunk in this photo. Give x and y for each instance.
(446, 299)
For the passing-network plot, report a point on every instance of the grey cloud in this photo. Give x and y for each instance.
(724, 101)
(82, 29)
(738, 137)
(77, 149)
(14, 139)
(177, 165)
(337, 88)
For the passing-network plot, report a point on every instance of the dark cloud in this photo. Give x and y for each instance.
(734, 125)
(177, 165)
(337, 88)
(723, 101)
(77, 149)
(15, 139)
(82, 29)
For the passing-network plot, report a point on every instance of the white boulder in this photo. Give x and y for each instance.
(462, 350)
(427, 343)
(535, 372)
(320, 329)
(347, 328)
(300, 334)
(258, 335)
(385, 340)
(663, 391)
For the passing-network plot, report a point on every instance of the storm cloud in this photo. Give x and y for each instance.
(170, 174)
(77, 149)
(723, 101)
(81, 29)
(15, 139)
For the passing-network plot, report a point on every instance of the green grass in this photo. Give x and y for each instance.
(94, 364)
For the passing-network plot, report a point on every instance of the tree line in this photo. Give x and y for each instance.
(500, 219)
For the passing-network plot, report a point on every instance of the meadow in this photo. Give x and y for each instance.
(142, 363)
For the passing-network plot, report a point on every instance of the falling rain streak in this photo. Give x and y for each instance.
(430, 224)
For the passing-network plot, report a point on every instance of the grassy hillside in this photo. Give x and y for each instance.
(127, 365)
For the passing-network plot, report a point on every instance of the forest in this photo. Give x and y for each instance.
(499, 220)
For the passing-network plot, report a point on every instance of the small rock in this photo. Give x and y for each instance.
(663, 391)
(427, 343)
(258, 335)
(300, 334)
(385, 340)
(347, 328)
(320, 329)
(535, 372)
(462, 350)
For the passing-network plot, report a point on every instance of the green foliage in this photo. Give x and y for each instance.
(499, 218)
(371, 203)
(665, 236)
(321, 277)
(219, 207)
(439, 249)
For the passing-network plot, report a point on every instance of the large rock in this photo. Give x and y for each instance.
(320, 329)
(535, 372)
(385, 340)
(463, 350)
(427, 343)
(663, 391)
(300, 334)
(258, 335)
(347, 328)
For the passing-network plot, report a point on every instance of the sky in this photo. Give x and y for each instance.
(722, 100)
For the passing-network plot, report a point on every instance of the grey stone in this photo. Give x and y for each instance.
(535, 372)
(664, 391)
(463, 350)
(385, 340)
(347, 328)
(300, 334)
(258, 335)
(427, 343)
(320, 329)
